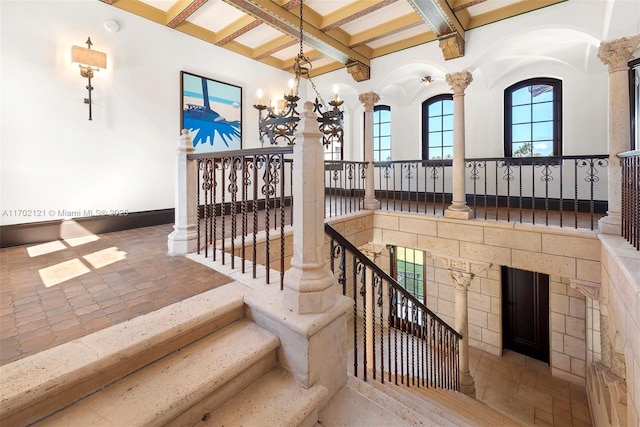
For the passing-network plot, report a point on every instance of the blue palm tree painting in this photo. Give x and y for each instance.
(212, 113)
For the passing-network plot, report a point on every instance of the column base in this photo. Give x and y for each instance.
(467, 384)
(182, 241)
(459, 212)
(610, 224)
(309, 291)
(371, 204)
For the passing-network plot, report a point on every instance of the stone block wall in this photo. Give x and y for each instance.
(564, 255)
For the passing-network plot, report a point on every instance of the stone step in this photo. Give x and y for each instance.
(273, 400)
(35, 387)
(464, 408)
(181, 388)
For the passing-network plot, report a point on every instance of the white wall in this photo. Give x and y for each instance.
(52, 157)
(559, 41)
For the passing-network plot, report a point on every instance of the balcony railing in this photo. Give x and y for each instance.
(630, 162)
(567, 191)
(243, 197)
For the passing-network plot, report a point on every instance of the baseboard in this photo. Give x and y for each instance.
(47, 231)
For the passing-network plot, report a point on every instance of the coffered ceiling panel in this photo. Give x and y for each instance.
(336, 33)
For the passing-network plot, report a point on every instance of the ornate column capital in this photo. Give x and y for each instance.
(369, 100)
(588, 289)
(462, 271)
(617, 53)
(459, 81)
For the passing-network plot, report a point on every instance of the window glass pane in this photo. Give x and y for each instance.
(447, 123)
(435, 139)
(435, 153)
(447, 138)
(542, 131)
(542, 111)
(521, 114)
(521, 96)
(521, 133)
(385, 115)
(435, 124)
(385, 143)
(376, 130)
(435, 109)
(541, 93)
(385, 129)
(521, 150)
(543, 148)
(376, 156)
(385, 155)
(447, 107)
(447, 152)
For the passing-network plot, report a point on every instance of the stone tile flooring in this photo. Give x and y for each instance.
(524, 389)
(58, 291)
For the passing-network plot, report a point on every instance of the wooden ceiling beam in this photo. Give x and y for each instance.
(351, 12)
(236, 29)
(444, 23)
(402, 23)
(181, 10)
(464, 4)
(288, 23)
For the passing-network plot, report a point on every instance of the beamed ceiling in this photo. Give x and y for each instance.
(337, 33)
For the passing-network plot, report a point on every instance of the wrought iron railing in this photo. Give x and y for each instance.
(396, 338)
(244, 196)
(540, 187)
(630, 208)
(344, 187)
(568, 191)
(422, 186)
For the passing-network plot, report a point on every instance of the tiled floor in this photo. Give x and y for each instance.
(524, 389)
(55, 292)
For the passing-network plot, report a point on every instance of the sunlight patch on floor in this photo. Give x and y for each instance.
(45, 248)
(105, 257)
(62, 272)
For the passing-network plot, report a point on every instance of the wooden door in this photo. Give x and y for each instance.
(525, 312)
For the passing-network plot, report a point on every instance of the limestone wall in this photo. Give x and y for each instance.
(565, 255)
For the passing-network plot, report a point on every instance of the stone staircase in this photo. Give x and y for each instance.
(374, 403)
(197, 362)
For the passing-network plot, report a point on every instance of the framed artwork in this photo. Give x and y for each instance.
(212, 112)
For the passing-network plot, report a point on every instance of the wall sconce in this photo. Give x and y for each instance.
(89, 61)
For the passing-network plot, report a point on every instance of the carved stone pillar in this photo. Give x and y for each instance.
(616, 54)
(462, 272)
(369, 100)
(183, 239)
(458, 209)
(309, 285)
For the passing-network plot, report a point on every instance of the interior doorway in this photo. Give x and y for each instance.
(525, 312)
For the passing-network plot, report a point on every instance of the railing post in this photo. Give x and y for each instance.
(309, 285)
(462, 272)
(369, 100)
(183, 239)
(458, 208)
(616, 54)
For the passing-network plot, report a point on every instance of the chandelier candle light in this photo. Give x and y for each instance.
(279, 123)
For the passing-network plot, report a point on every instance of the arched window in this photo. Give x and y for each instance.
(533, 118)
(381, 133)
(437, 128)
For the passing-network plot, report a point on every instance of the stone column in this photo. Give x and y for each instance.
(309, 285)
(184, 238)
(616, 54)
(462, 272)
(458, 209)
(369, 100)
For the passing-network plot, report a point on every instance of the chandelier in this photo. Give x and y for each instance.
(278, 124)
